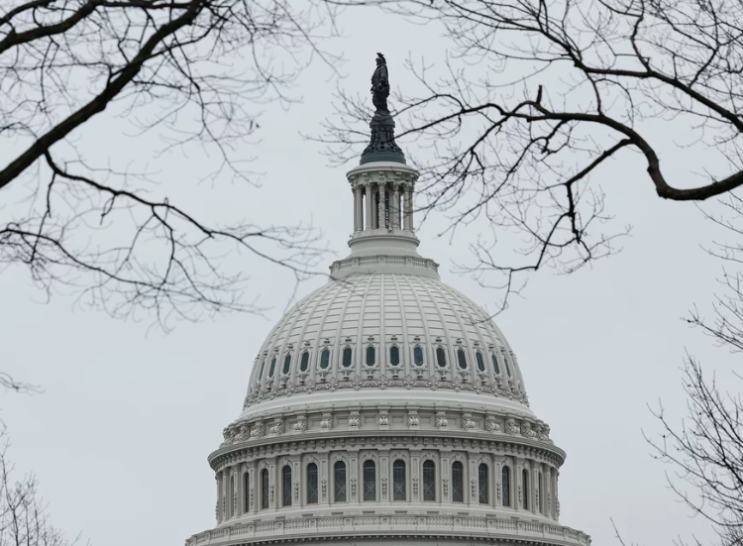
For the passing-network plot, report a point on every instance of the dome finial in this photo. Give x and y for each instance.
(382, 146)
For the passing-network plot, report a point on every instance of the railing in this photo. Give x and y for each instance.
(317, 526)
(424, 263)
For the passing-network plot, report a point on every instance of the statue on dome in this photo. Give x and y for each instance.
(380, 85)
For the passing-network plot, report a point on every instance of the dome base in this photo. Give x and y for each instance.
(412, 528)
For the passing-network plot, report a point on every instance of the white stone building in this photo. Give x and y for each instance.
(386, 406)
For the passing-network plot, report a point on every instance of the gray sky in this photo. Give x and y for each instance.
(120, 435)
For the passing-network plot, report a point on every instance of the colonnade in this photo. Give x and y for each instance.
(258, 486)
(385, 206)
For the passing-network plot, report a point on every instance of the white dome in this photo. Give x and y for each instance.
(386, 407)
(388, 331)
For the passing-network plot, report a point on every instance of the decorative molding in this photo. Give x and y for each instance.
(327, 421)
(441, 420)
(277, 427)
(441, 528)
(258, 430)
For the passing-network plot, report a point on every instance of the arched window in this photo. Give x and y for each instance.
(508, 368)
(480, 362)
(418, 356)
(263, 365)
(462, 358)
(482, 484)
(394, 355)
(347, 354)
(272, 368)
(312, 483)
(496, 368)
(429, 481)
(441, 357)
(325, 359)
(370, 480)
(398, 481)
(246, 492)
(339, 481)
(286, 486)
(525, 489)
(541, 493)
(264, 488)
(506, 485)
(287, 364)
(457, 482)
(371, 356)
(305, 363)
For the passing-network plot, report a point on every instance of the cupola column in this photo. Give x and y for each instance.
(369, 206)
(382, 202)
(358, 209)
(408, 208)
(395, 208)
(375, 207)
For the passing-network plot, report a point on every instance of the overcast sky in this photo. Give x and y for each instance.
(120, 435)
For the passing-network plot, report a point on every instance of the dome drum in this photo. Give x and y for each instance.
(348, 420)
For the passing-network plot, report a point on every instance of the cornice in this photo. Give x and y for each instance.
(333, 440)
(498, 530)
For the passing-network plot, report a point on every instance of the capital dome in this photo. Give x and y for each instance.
(386, 406)
(381, 335)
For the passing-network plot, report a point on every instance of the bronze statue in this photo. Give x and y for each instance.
(380, 85)
(382, 146)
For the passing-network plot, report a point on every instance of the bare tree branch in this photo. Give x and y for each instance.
(23, 516)
(534, 100)
(159, 64)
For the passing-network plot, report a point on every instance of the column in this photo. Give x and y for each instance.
(218, 510)
(324, 479)
(409, 198)
(374, 207)
(471, 483)
(382, 223)
(355, 485)
(368, 191)
(222, 496)
(231, 486)
(555, 493)
(383, 469)
(252, 488)
(445, 470)
(518, 484)
(240, 507)
(273, 481)
(358, 211)
(498, 482)
(407, 213)
(395, 208)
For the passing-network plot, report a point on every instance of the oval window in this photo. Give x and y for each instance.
(394, 356)
(371, 356)
(496, 368)
(287, 364)
(462, 358)
(347, 354)
(272, 368)
(305, 363)
(325, 359)
(418, 356)
(441, 357)
(480, 361)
